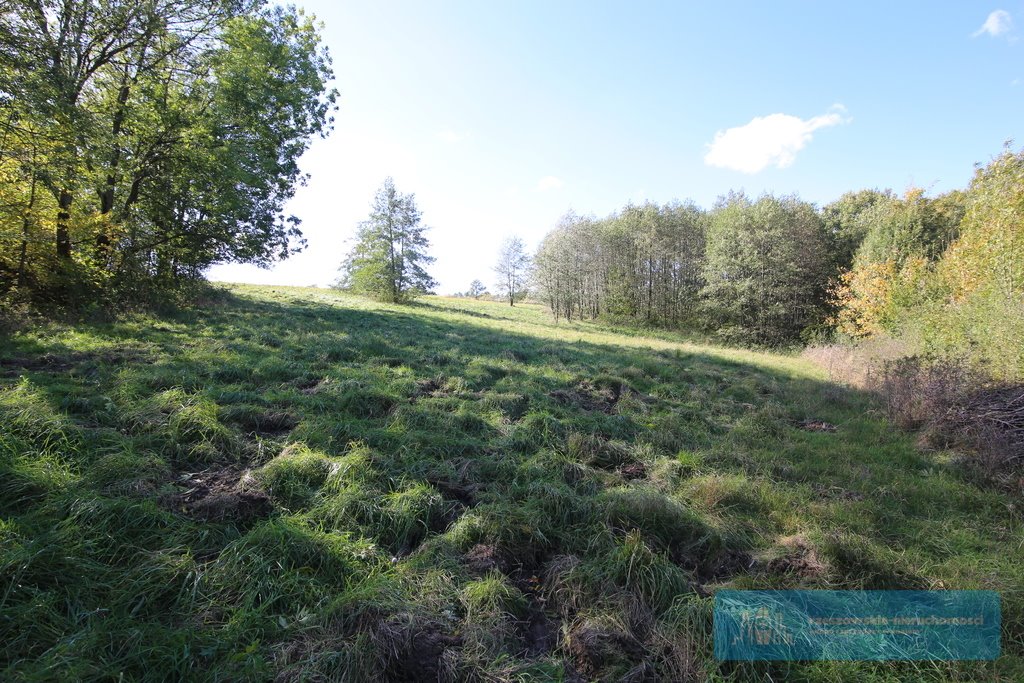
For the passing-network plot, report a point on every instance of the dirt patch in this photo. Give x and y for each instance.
(457, 491)
(270, 423)
(592, 647)
(483, 558)
(219, 495)
(62, 362)
(799, 558)
(590, 398)
(817, 426)
(633, 470)
(414, 648)
(312, 386)
(727, 564)
(538, 630)
(587, 397)
(428, 387)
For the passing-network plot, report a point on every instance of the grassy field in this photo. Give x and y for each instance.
(296, 484)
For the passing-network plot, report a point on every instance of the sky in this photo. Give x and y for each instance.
(501, 116)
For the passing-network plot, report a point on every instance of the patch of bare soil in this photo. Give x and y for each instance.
(799, 558)
(727, 564)
(455, 490)
(414, 647)
(592, 647)
(633, 470)
(219, 495)
(539, 631)
(817, 426)
(266, 423)
(62, 362)
(483, 558)
(594, 399)
(587, 397)
(312, 386)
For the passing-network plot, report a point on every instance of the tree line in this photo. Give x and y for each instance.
(775, 269)
(754, 270)
(141, 142)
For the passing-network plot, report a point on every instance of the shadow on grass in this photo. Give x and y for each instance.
(436, 438)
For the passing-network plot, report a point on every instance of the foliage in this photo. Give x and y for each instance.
(388, 259)
(767, 269)
(512, 269)
(945, 274)
(643, 264)
(143, 142)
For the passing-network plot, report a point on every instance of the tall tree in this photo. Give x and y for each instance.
(767, 270)
(389, 258)
(160, 136)
(476, 289)
(513, 268)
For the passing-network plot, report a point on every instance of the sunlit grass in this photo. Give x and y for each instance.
(297, 482)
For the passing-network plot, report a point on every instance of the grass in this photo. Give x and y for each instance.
(294, 483)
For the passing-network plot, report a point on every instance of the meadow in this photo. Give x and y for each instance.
(297, 484)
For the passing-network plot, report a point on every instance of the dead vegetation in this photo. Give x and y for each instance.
(953, 405)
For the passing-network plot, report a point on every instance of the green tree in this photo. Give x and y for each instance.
(512, 268)
(388, 259)
(767, 270)
(476, 289)
(912, 226)
(161, 137)
(848, 220)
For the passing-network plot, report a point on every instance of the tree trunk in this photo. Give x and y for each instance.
(63, 232)
(25, 223)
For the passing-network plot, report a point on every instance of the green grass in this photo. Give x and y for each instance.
(292, 482)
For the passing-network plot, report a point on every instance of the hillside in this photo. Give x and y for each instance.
(298, 484)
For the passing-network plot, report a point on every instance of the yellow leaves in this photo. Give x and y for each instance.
(864, 295)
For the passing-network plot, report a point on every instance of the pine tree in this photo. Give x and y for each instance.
(388, 259)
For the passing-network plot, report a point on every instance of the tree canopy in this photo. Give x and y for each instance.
(143, 142)
(390, 255)
(512, 269)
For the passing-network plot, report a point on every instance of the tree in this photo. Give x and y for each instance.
(476, 289)
(151, 140)
(513, 268)
(768, 268)
(388, 259)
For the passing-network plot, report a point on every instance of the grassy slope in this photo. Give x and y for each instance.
(291, 482)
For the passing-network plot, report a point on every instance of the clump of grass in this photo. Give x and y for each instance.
(650, 575)
(661, 520)
(284, 567)
(295, 476)
(596, 452)
(493, 594)
(398, 519)
(128, 472)
(183, 426)
(521, 531)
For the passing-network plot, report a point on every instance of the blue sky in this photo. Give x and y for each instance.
(502, 116)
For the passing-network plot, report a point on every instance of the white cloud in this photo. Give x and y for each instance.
(771, 140)
(998, 23)
(549, 182)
